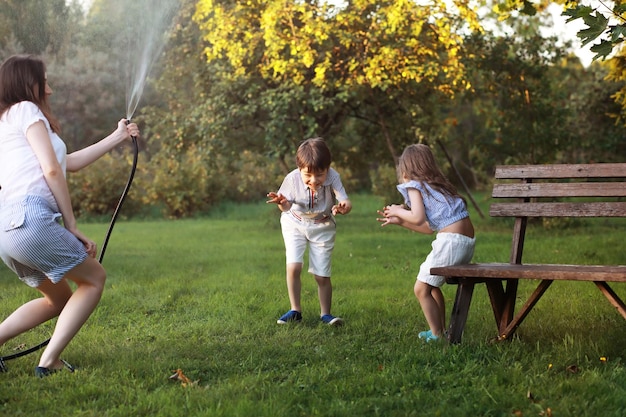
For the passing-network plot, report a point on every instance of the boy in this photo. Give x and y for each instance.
(306, 199)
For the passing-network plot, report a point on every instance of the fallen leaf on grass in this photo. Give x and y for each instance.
(180, 376)
(573, 369)
(547, 413)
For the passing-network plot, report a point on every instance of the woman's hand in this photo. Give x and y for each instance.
(127, 129)
(90, 245)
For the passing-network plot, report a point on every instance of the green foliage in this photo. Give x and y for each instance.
(256, 175)
(319, 63)
(183, 183)
(241, 84)
(384, 181)
(603, 23)
(96, 190)
(597, 26)
(38, 25)
(87, 97)
(516, 111)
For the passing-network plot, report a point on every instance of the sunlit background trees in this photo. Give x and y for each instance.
(240, 83)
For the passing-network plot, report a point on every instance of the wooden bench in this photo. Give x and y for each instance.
(582, 190)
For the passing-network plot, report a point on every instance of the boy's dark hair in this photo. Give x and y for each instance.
(313, 154)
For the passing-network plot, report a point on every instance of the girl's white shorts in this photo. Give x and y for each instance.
(448, 249)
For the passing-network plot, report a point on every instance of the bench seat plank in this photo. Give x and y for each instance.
(615, 273)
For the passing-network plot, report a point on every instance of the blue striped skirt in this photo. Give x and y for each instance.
(34, 244)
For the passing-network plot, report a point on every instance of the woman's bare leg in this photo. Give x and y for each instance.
(89, 278)
(36, 312)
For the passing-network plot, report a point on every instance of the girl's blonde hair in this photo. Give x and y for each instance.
(417, 163)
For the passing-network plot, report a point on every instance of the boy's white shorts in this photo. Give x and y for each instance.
(448, 249)
(320, 237)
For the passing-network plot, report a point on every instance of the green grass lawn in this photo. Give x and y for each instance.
(203, 295)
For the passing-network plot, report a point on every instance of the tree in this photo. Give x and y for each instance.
(340, 56)
(38, 25)
(604, 22)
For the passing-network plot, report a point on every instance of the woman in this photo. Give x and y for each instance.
(34, 196)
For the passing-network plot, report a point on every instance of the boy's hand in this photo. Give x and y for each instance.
(343, 207)
(277, 198)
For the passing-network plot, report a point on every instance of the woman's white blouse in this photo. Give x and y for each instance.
(20, 170)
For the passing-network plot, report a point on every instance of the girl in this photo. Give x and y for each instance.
(432, 204)
(33, 196)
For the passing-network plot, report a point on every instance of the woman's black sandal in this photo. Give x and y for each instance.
(41, 372)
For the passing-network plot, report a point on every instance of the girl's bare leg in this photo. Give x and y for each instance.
(430, 306)
(441, 303)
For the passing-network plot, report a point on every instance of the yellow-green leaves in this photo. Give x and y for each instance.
(378, 44)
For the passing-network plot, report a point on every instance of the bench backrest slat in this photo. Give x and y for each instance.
(570, 189)
(600, 209)
(561, 171)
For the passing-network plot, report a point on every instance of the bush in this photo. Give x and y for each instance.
(96, 189)
(181, 184)
(384, 184)
(251, 177)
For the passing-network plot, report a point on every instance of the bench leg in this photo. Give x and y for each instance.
(530, 303)
(502, 301)
(460, 310)
(497, 297)
(612, 297)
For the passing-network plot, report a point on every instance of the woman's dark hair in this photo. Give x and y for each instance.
(23, 78)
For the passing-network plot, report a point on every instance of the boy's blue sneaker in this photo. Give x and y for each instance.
(290, 316)
(331, 320)
(428, 336)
